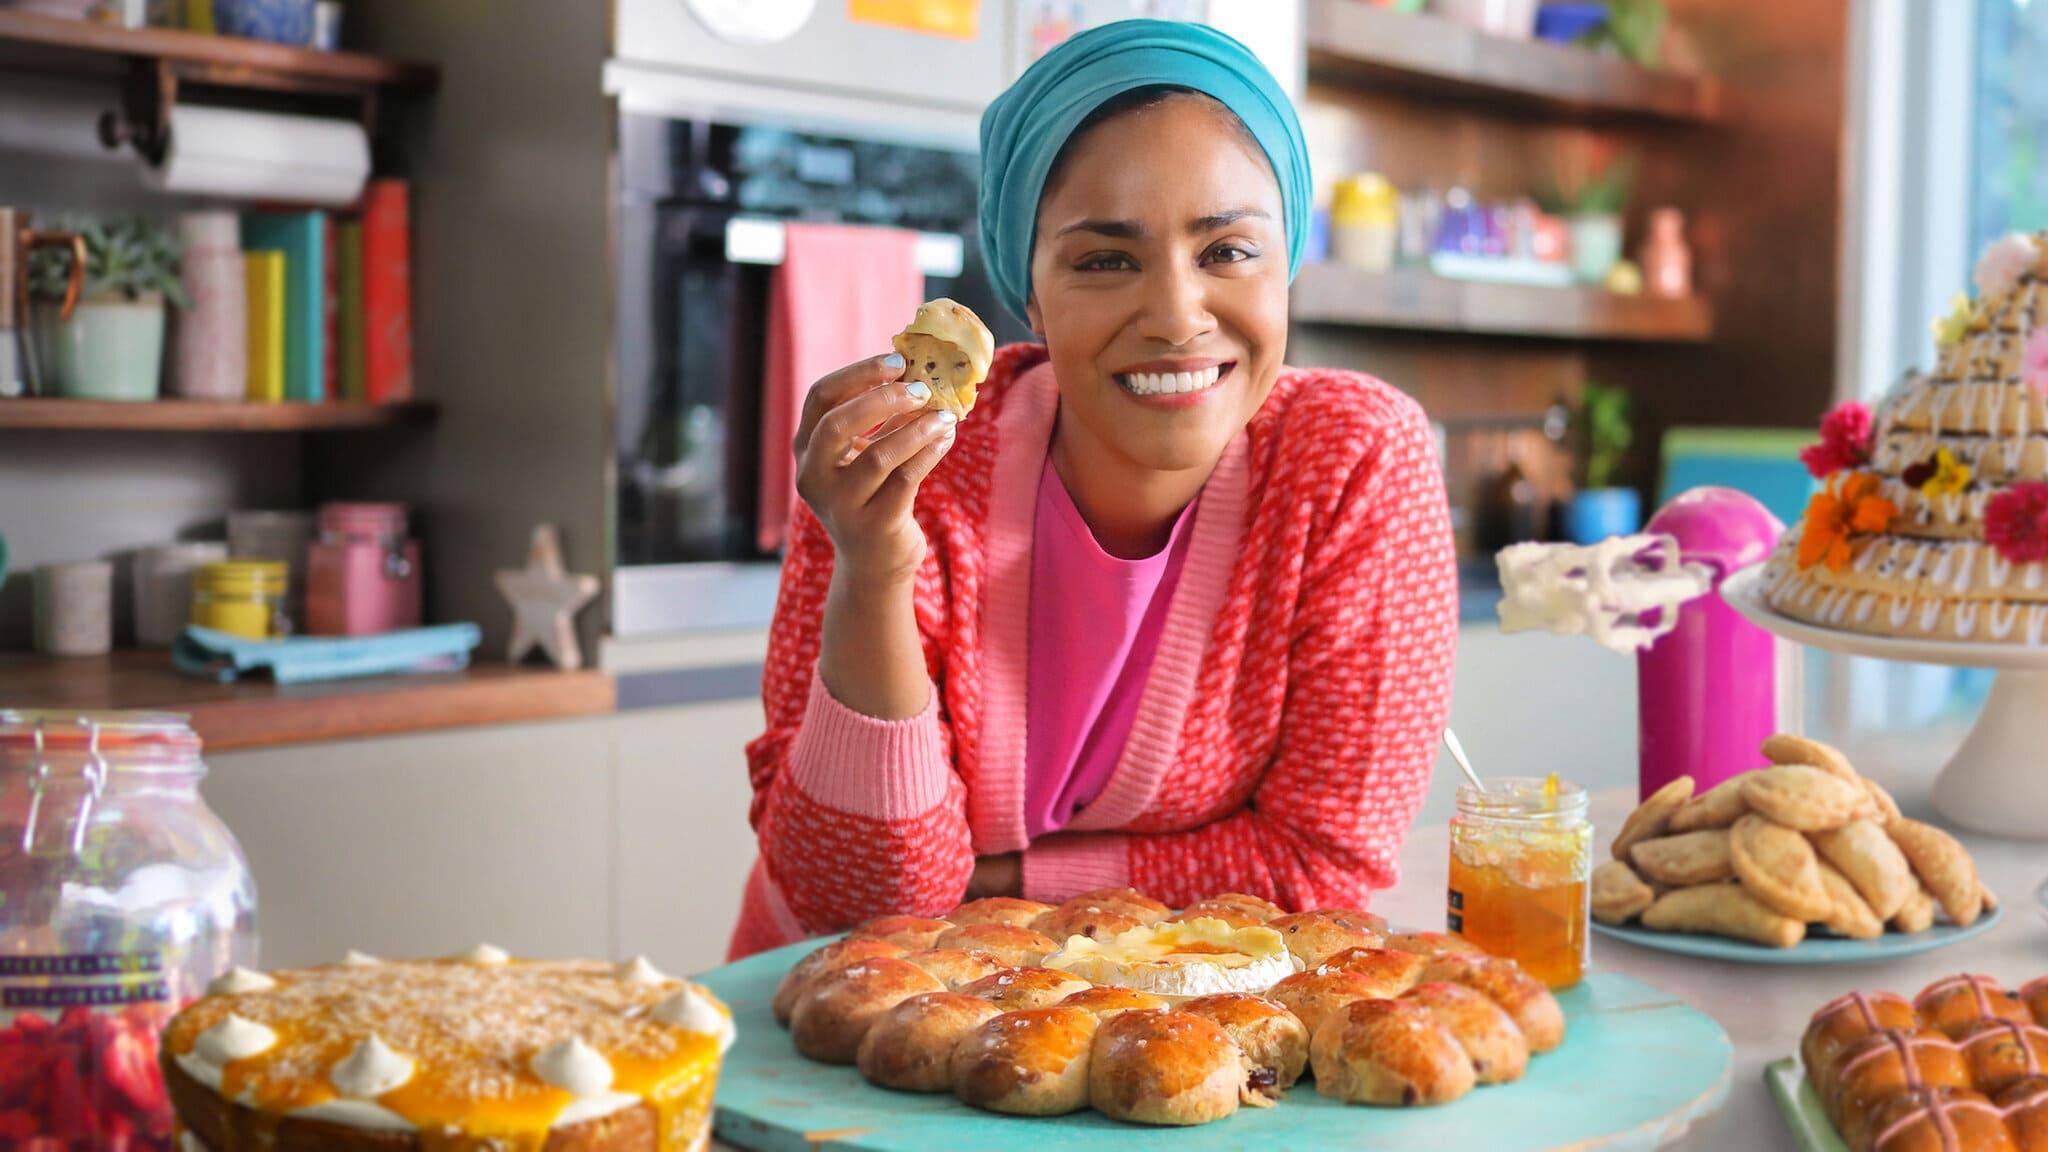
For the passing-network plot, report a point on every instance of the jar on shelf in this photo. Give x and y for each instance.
(1667, 260)
(121, 897)
(1521, 867)
(363, 574)
(1365, 215)
(245, 598)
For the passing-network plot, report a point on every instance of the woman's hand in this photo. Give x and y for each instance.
(997, 876)
(862, 449)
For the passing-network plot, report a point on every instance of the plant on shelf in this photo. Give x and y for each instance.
(1606, 430)
(1634, 29)
(111, 347)
(1593, 205)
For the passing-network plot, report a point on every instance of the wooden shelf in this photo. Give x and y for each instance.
(207, 416)
(263, 714)
(1353, 44)
(229, 61)
(1412, 299)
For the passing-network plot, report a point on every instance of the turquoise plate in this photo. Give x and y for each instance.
(1814, 950)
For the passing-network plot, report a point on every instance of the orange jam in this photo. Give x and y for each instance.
(1521, 858)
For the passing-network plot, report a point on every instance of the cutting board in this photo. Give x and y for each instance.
(1801, 1108)
(1638, 1066)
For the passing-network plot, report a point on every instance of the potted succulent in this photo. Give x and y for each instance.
(112, 347)
(1599, 510)
(1593, 212)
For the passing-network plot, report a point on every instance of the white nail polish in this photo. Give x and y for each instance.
(919, 391)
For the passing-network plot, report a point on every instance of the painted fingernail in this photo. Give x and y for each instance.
(919, 391)
(948, 419)
(894, 362)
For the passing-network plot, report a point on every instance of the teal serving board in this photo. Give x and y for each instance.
(1638, 1066)
(1801, 1108)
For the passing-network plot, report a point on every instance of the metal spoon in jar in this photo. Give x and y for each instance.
(1458, 754)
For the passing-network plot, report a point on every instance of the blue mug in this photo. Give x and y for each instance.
(278, 21)
(1596, 514)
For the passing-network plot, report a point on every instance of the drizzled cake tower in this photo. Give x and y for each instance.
(1932, 522)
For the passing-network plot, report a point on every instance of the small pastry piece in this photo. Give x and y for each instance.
(910, 1047)
(1129, 901)
(1887, 808)
(1917, 914)
(2034, 994)
(998, 910)
(2001, 1053)
(1619, 895)
(1803, 797)
(1872, 862)
(1256, 905)
(1017, 947)
(829, 958)
(1534, 1010)
(1499, 1051)
(1235, 915)
(1890, 1063)
(1843, 1023)
(1718, 807)
(1028, 1063)
(956, 967)
(1092, 921)
(1778, 867)
(1785, 748)
(1686, 859)
(1943, 866)
(1316, 996)
(1650, 820)
(1356, 918)
(948, 347)
(1391, 972)
(1433, 944)
(1165, 1068)
(1938, 1120)
(1312, 937)
(1025, 988)
(1722, 910)
(1274, 1041)
(911, 933)
(2025, 1105)
(834, 1012)
(1850, 915)
(1106, 1001)
(1952, 1006)
(1392, 1053)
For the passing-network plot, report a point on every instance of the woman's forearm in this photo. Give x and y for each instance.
(869, 653)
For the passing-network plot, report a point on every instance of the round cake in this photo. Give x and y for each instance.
(1932, 521)
(478, 1050)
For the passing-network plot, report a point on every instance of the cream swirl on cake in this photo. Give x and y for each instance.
(1201, 957)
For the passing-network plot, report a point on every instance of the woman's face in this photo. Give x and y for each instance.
(1159, 282)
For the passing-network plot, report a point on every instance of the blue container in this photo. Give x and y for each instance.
(278, 21)
(1569, 23)
(1598, 513)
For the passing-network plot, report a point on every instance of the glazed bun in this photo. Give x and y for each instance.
(1357, 918)
(1313, 937)
(956, 966)
(829, 958)
(2026, 1109)
(1433, 944)
(1032, 1062)
(1391, 972)
(1393, 1053)
(1026, 988)
(1129, 901)
(1235, 915)
(1938, 1120)
(1092, 921)
(1244, 904)
(998, 910)
(1843, 1023)
(1314, 996)
(1106, 1001)
(1164, 1068)
(2034, 994)
(1952, 1006)
(1015, 946)
(1274, 1041)
(910, 933)
(834, 1012)
(1885, 1065)
(1483, 1029)
(2001, 1053)
(910, 1046)
(1534, 1010)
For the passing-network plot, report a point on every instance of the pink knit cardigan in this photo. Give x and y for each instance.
(1286, 732)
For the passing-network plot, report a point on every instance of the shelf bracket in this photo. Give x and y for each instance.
(144, 118)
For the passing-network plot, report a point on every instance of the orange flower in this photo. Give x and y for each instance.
(1845, 509)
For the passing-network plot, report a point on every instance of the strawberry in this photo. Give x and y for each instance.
(70, 1115)
(115, 1124)
(17, 1124)
(31, 1024)
(74, 1023)
(128, 1065)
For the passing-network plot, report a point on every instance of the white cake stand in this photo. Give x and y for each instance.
(1993, 782)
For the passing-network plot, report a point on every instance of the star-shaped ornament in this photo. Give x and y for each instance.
(545, 600)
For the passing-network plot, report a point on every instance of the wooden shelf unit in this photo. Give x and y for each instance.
(206, 416)
(225, 61)
(1413, 299)
(1353, 44)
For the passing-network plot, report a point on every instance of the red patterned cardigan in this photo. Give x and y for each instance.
(1286, 731)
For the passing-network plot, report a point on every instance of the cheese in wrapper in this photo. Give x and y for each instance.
(1199, 957)
(948, 347)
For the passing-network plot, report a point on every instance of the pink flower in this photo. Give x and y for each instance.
(1845, 435)
(2016, 523)
(2034, 361)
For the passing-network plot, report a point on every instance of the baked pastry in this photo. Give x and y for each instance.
(1433, 944)
(464, 1052)
(1786, 748)
(831, 957)
(910, 1046)
(1391, 972)
(1534, 1010)
(1258, 906)
(998, 910)
(1953, 1005)
(1722, 910)
(1191, 958)
(2034, 994)
(1091, 920)
(1803, 797)
(1235, 915)
(1274, 1041)
(1106, 1001)
(1849, 914)
(1917, 914)
(1165, 1068)
(835, 1011)
(956, 966)
(1499, 1051)
(1313, 937)
(1032, 1062)
(1846, 1021)
(1779, 868)
(1128, 901)
(2025, 1105)
(1651, 818)
(1872, 862)
(1685, 859)
(1013, 945)
(1619, 895)
(1025, 988)
(1718, 807)
(1938, 1120)
(1357, 919)
(1318, 995)
(1944, 868)
(2001, 1053)
(1393, 1053)
(911, 933)
(1887, 1064)
(948, 347)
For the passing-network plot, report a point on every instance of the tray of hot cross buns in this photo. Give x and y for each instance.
(1961, 1066)
(1009, 1024)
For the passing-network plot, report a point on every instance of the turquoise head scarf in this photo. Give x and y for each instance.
(1024, 129)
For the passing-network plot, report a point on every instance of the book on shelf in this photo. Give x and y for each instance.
(387, 292)
(330, 314)
(298, 237)
(263, 273)
(348, 328)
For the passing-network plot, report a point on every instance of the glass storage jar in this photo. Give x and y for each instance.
(244, 598)
(121, 896)
(1521, 862)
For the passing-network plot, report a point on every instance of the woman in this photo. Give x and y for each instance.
(1162, 612)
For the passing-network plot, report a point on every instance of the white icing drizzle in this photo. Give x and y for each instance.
(1930, 615)
(1963, 568)
(2002, 628)
(1997, 569)
(1966, 618)
(1865, 607)
(238, 981)
(2033, 580)
(1902, 606)
(2037, 615)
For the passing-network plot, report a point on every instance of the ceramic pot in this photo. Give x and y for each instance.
(110, 349)
(1598, 513)
(279, 21)
(1596, 246)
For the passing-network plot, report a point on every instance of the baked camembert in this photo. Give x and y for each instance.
(1201, 957)
(478, 1050)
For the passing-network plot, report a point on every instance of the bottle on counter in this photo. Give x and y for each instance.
(1365, 216)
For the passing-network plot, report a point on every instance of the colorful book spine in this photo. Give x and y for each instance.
(330, 314)
(264, 280)
(348, 329)
(387, 291)
(298, 236)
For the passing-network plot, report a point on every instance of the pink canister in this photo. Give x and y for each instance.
(363, 574)
(211, 361)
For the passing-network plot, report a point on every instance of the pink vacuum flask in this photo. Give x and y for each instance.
(1707, 691)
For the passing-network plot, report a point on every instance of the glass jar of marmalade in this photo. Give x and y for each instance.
(1521, 861)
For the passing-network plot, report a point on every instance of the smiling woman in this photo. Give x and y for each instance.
(1164, 612)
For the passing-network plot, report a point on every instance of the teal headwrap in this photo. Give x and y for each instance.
(1024, 129)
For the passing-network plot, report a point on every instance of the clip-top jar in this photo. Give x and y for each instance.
(121, 897)
(1521, 862)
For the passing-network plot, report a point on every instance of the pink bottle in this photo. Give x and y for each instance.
(362, 575)
(1708, 690)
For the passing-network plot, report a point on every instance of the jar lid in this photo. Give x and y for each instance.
(109, 732)
(367, 519)
(244, 577)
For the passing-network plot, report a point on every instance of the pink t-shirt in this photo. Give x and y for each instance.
(1095, 625)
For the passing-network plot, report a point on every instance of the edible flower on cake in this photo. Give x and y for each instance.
(1201, 957)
